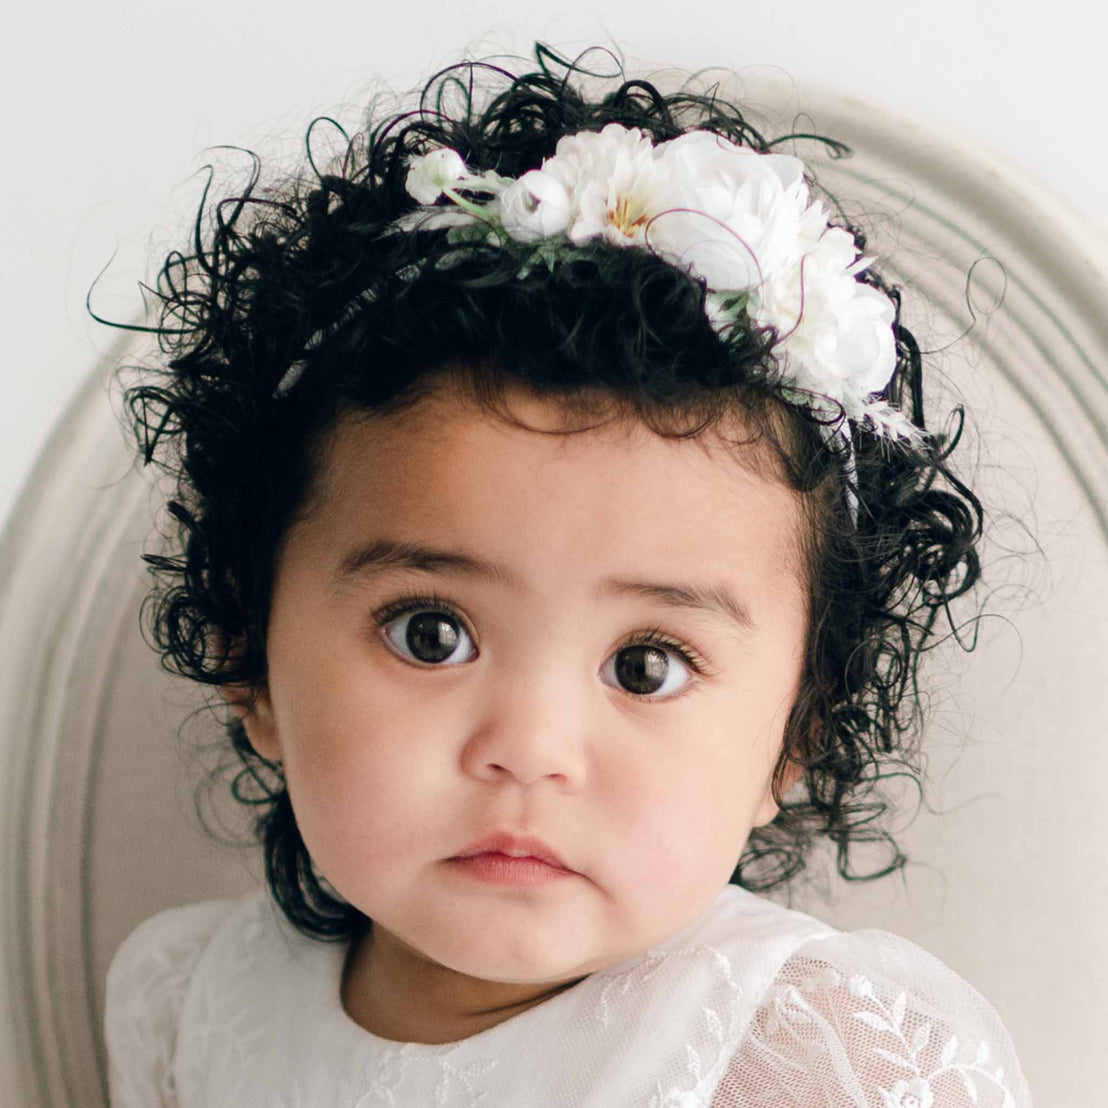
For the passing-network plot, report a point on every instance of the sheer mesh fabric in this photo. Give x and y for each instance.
(868, 1019)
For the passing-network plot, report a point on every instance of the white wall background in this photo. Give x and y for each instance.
(107, 104)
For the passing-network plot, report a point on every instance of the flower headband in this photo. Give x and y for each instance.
(738, 219)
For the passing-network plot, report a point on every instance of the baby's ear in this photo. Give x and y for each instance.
(250, 703)
(768, 809)
(254, 708)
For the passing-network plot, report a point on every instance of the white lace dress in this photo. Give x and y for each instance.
(224, 1004)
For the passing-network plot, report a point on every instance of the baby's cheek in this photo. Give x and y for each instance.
(337, 804)
(654, 811)
(699, 820)
(365, 820)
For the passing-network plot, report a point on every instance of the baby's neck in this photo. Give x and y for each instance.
(396, 993)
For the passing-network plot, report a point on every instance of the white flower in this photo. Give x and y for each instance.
(537, 206)
(737, 217)
(836, 333)
(614, 181)
(860, 986)
(430, 173)
(914, 1093)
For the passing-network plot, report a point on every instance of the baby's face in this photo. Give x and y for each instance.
(404, 743)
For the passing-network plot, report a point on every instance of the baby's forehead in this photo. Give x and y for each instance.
(539, 476)
(725, 432)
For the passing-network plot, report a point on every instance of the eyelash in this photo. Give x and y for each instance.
(653, 636)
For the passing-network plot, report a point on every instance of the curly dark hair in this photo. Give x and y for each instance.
(303, 274)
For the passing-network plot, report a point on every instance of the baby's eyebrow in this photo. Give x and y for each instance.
(384, 554)
(717, 599)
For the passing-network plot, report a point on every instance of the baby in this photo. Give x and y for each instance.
(554, 499)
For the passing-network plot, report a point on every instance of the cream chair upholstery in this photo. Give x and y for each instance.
(1008, 882)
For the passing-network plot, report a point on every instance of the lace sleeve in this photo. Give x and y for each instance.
(145, 988)
(867, 1019)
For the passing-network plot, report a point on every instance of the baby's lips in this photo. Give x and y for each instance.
(501, 842)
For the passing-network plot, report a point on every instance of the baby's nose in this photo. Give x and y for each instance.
(531, 732)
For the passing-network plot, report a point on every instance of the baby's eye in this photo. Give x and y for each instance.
(645, 668)
(431, 634)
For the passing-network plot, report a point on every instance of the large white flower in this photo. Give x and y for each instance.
(612, 181)
(736, 217)
(837, 336)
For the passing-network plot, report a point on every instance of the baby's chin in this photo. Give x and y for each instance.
(511, 957)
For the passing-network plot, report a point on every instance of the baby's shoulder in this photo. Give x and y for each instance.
(883, 973)
(166, 945)
(869, 1014)
(145, 989)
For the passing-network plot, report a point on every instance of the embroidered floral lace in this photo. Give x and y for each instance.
(223, 1003)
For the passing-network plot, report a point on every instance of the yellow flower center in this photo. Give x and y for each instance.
(627, 216)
